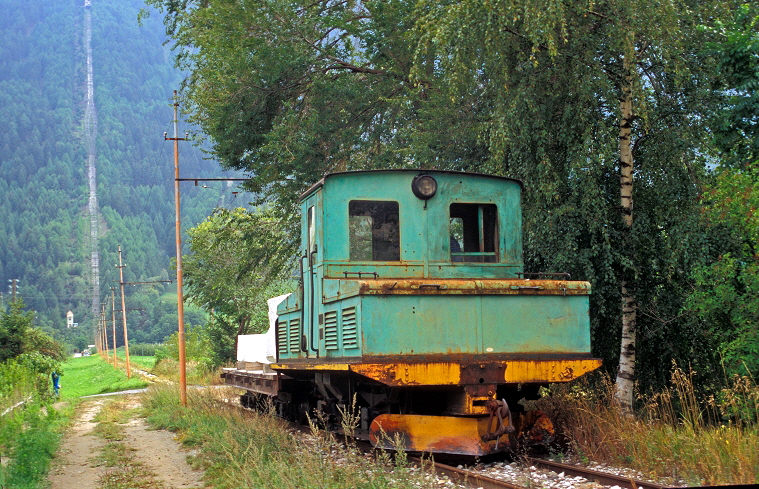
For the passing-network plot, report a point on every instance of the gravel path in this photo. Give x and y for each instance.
(156, 452)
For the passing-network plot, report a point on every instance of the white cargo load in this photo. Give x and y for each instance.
(256, 350)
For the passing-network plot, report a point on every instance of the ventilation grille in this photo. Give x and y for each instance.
(350, 330)
(330, 330)
(295, 336)
(282, 337)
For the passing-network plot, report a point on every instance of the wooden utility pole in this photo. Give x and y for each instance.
(104, 331)
(123, 315)
(180, 294)
(113, 322)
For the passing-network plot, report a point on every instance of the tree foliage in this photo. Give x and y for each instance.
(14, 326)
(726, 292)
(27, 356)
(737, 120)
(565, 95)
(238, 259)
(289, 92)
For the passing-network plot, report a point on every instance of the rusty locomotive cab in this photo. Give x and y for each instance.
(414, 313)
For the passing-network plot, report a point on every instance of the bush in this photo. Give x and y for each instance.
(197, 348)
(144, 349)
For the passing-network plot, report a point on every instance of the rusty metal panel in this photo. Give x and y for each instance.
(461, 287)
(405, 374)
(528, 371)
(486, 373)
(435, 434)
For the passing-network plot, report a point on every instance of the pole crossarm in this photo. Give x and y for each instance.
(154, 282)
(196, 180)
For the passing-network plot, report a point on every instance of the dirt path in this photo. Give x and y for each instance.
(108, 444)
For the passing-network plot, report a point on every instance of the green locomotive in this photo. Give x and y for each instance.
(414, 311)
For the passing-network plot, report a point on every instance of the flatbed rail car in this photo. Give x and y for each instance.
(414, 310)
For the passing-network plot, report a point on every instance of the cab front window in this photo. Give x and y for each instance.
(374, 234)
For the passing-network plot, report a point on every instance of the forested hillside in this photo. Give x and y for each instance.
(44, 225)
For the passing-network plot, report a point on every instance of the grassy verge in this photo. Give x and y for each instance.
(30, 435)
(86, 376)
(675, 436)
(243, 449)
(32, 446)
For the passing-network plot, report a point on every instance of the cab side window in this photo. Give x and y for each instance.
(374, 233)
(474, 233)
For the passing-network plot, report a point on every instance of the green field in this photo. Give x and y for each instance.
(86, 376)
(144, 362)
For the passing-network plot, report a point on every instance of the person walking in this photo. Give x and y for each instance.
(56, 383)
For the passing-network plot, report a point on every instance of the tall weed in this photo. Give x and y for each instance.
(245, 449)
(673, 435)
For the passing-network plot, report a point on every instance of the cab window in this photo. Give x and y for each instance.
(474, 233)
(374, 232)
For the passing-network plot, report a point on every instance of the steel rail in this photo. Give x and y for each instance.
(469, 478)
(594, 475)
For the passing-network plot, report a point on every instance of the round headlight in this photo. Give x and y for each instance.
(424, 186)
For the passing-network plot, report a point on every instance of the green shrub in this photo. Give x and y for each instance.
(197, 348)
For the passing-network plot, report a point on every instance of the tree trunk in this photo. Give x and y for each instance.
(242, 325)
(626, 372)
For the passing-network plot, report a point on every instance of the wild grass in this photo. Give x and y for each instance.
(244, 449)
(30, 435)
(196, 373)
(32, 447)
(142, 356)
(673, 435)
(86, 376)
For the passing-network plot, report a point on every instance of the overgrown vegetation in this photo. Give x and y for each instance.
(30, 433)
(244, 449)
(28, 424)
(676, 434)
(29, 439)
(199, 354)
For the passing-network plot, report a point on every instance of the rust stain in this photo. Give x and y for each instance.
(440, 370)
(448, 286)
(441, 434)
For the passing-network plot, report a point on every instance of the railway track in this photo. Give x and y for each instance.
(478, 479)
(601, 477)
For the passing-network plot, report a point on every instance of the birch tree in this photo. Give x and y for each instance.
(637, 61)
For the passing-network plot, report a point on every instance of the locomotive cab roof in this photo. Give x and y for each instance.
(414, 223)
(320, 183)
